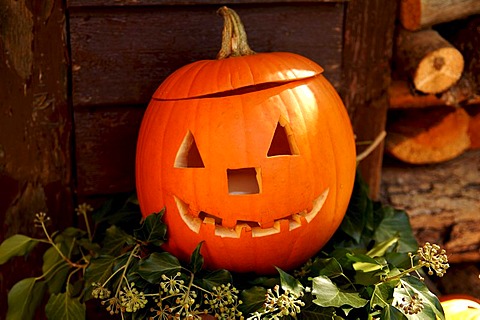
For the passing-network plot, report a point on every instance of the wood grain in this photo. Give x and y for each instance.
(431, 63)
(428, 135)
(117, 3)
(368, 47)
(35, 132)
(442, 201)
(121, 55)
(418, 14)
(105, 149)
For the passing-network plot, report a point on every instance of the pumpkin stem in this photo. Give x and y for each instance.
(234, 37)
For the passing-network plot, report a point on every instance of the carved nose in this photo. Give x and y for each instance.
(244, 181)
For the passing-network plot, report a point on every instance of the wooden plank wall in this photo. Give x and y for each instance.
(121, 52)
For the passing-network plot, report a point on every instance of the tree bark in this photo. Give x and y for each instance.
(418, 14)
(430, 62)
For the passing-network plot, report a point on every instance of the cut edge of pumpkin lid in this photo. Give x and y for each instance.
(216, 78)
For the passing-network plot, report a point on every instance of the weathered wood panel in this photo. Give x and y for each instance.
(121, 55)
(369, 27)
(35, 128)
(100, 3)
(105, 149)
(442, 200)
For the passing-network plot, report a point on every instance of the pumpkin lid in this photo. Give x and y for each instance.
(216, 77)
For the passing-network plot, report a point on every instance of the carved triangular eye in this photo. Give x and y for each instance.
(188, 155)
(283, 143)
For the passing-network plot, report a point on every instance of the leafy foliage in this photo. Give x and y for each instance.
(368, 270)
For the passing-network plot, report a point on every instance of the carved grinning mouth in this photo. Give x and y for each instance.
(200, 220)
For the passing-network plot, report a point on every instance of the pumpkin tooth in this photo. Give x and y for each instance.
(226, 232)
(229, 223)
(283, 225)
(294, 222)
(209, 220)
(300, 217)
(267, 224)
(243, 230)
(208, 226)
(260, 232)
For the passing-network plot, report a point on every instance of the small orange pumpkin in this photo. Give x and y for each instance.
(460, 307)
(253, 154)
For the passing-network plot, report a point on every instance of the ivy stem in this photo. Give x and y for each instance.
(125, 267)
(403, 273)
(65, 258)
(234, 37)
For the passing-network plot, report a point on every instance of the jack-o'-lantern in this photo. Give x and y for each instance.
(252, 153)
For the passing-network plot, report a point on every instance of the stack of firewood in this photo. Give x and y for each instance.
(435, 95)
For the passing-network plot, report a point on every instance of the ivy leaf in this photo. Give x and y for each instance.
(382, 295)
(355, 220)
(115, 240)
(365, 263)
(252, 299)
(153, 231)
(289, 283)
(121, 210)
(56, 268)
(392, 313)
(319, 313)
(23, 298)
(98, 270)
(327, 294)
(396, 223)
(410, 286)
(157, 264)
(63, 307)
(214, 278)
(16, 245)
(196, 260)
(329, 267)
(380, 249)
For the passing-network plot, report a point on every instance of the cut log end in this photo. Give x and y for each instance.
(429, 136)
(439, 70)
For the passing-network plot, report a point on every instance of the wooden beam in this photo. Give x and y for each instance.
(131, 3)
(36, 128)
(418, 14)
(366, 64)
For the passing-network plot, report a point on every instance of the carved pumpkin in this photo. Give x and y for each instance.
(251, 153)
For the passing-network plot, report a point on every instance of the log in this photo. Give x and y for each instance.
(418, 14)
(401, 96)
(465, 36)
(423, 136)
(441, 200)
(430, 61)
(474, 127)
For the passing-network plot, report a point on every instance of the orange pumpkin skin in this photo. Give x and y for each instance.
(460, 307)
(230, 110)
